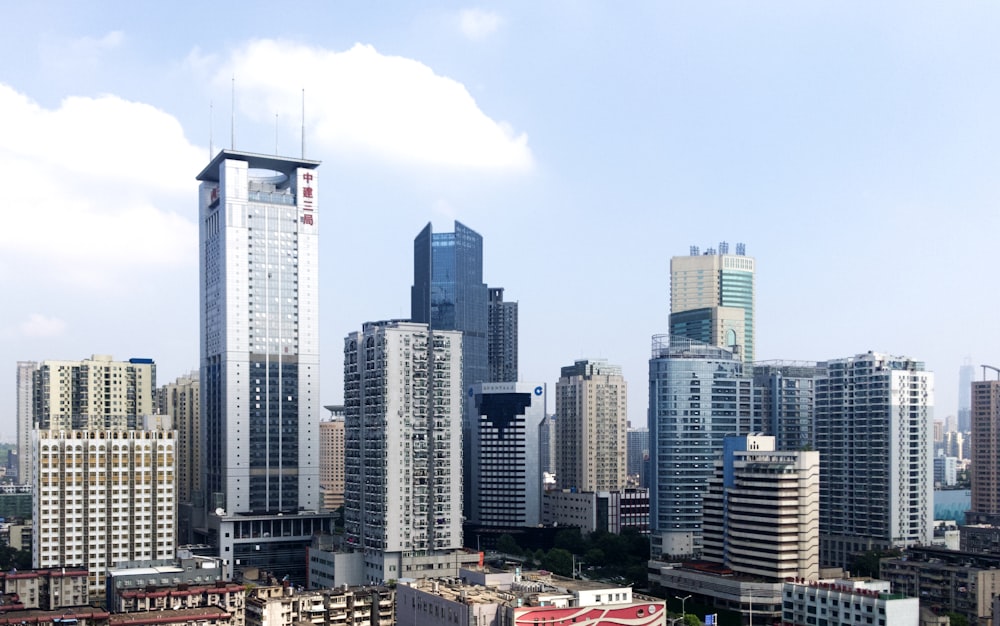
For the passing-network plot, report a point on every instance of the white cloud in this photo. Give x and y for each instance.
(82, 52)
(363, 102)
(477, 24)
(38, 325)
(86, 186)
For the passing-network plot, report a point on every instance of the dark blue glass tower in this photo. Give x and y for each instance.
(448, 293)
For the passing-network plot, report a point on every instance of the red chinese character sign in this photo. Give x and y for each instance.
(308, 196)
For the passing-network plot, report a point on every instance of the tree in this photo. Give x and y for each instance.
(867, 563)
(558, 561)
(507, 545)
(569, 539)
(692, 620)
(957, 619)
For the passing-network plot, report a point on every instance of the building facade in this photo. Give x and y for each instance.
(591, 426)
(96, 393)
(843, 602)
(985, 466)
(331, 463)
(783, 401)
(260, 378)
(25, 418)
(712, 298)
(103, 497)
(761, 510)
(601, 511)
(402, 457)
(873, 430)
(506, 473)
(698, 394)
(638, 455)
(502, 346)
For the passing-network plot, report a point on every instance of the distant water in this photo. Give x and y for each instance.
(952, 504)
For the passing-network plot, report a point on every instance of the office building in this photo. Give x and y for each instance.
(547, 449)
(847, 602)
(502, 332)
(698, 394)
(506, 473)
(25, 416)
(602, 511)
(260, 377)
(281, 605)
(331, 463)
(591, 425)
(760, 514)
(783, 401)
(104, 497)
(402, 449)
(448, 293)
(712, 298)
(96, 393)
(873, 431)
(637, 441)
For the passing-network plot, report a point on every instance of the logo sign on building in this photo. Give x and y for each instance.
(307, 196)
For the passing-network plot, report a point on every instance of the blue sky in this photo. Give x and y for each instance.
(852, 147)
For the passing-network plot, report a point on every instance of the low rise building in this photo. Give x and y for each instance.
(283, 605)
(846, 602)
(947, 581)
(608, 511)
(522, 600)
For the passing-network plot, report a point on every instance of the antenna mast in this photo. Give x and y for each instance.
(275, 134)
(211, 148)
(303, 122)
(232, 116)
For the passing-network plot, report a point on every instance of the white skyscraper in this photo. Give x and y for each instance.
(402, 449)
(874, 416)
(260, 378)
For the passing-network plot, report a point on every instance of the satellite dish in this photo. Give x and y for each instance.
(220, 511)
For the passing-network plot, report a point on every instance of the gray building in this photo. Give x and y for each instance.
(502, 346)
(698, 394)
(783, 401)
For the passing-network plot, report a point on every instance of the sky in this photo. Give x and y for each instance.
(851, 146)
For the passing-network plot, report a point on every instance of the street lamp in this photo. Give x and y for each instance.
(682, 603)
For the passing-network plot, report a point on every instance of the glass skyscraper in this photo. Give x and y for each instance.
(448, 293)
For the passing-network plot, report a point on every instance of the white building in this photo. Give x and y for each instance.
(506, 474)
(402, 449)
(591, 427)
(761, 511)
(874, 416)
(840, 602)
(260, 377)
(103, 497)
(25, 415)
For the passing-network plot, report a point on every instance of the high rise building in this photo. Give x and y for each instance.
(783, 401)
(331, 462)
(698, 394)
(761, 510)
(506, 474)
(260, 378)
(547, 447)
(965, 376)
(95, 393)
(25, 415)
(448, 293)
(402, 430)
(502, 346)
(985, 466)
(712, 298)
(104, 496)
(181, 400)
(638, 453)
(873, 431)
(591, 425)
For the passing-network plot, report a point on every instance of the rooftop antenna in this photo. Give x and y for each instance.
(303, 122)
(276, 134)
(232, 116)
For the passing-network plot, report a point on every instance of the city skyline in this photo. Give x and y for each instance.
(586, 145)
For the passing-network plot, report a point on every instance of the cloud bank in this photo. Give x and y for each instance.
(363, 102)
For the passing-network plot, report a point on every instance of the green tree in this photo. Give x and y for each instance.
(569, 539)
(692, 620)
(558, 561)
(957, 619)
(595, 557)
(507, 545)
(867, 563)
